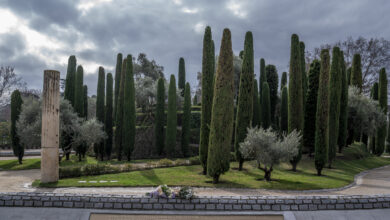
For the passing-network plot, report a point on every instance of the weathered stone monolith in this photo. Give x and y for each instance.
(50, 126)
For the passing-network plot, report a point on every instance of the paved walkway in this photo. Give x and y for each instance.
(84, 214)
(373, 182)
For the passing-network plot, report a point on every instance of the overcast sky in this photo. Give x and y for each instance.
(42, 34)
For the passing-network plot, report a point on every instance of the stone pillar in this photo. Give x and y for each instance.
(50, 126)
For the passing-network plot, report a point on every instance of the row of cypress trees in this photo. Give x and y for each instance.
(167, 143)
(125, 127)
(77, 94)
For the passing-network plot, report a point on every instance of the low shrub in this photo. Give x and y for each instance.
(68, 172)
(165, 162)
(356, 150)
(194, 160)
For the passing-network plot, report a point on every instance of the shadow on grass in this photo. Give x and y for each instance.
(151, 176)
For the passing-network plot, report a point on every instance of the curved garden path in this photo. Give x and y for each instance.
(372, 182)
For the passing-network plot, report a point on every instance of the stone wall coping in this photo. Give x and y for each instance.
(202, 203)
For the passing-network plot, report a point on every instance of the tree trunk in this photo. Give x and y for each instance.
(365, 139)
(267, 175)
(215, 179)
(241, 162)
(79, 156)
(319, 172)
(294, 167)
(20, 158)
(204, 171)
(67, 155)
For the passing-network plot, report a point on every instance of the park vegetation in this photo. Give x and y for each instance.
(320, 110)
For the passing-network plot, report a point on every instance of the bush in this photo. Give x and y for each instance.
(165, 162)
(68, 172)
(194, 160)
(356, 150)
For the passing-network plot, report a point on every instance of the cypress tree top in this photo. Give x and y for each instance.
(284, 111)
(182, 75)
(356, 72)
(283, 81)
(263, 76)
(118, 71)
(69, 93)
(100, 95)
(85, 109)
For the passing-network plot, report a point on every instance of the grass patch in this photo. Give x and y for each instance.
(72, 162)
(283, 178)
(14, 164)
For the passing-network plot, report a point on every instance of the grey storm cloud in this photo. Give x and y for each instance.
(166, 30)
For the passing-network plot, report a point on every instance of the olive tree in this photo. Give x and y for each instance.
(269, 149)
(364, 113)
(82, 133)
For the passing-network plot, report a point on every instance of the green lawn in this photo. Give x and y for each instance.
(283, 178)
(36, 163)
(14, 164)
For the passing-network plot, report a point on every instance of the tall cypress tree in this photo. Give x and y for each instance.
(373, 95)
(16, 108)
(334, 103)
(273, 81)
(262, 79)
(119, 113)
(256, 105)
(382, 92)
(108, 116)
(283, 81)
(79, 103)
(100, 108)
(349, 70)
(69, 93)
(208, 69)
(284, 111)
(79, 98)
(343, 121)
(221, 126)
(84, 147)
(245, 97)
(159, 118)
(85, 102)
(195, 100)
(303, 72)
(322, 115)
(182, 76)
(266, 107)
(129, 114)
(356, 72)
(185, 128)
(170, 146)
(118, 72)
(309, 127)
(263, 75)
(388, 138)
(295, 102)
